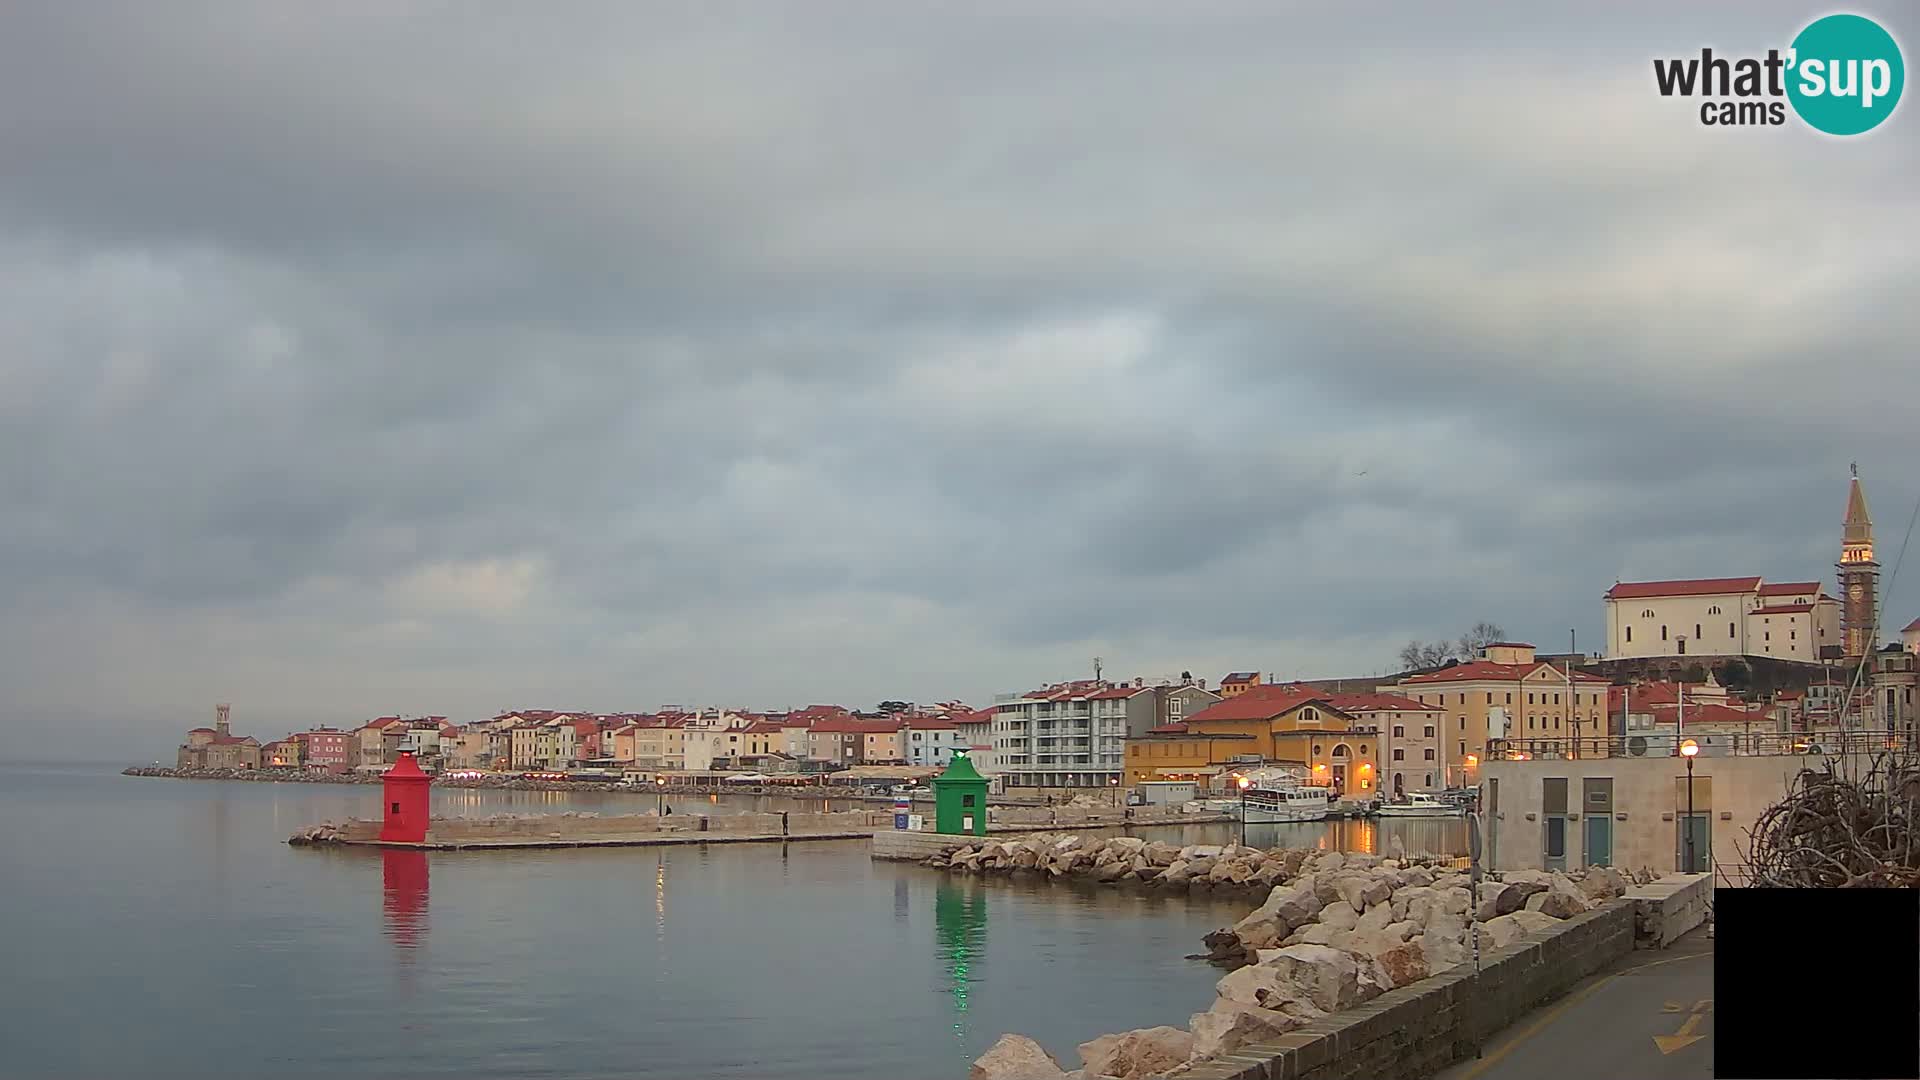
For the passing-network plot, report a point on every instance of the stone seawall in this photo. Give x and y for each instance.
(1419, 1029)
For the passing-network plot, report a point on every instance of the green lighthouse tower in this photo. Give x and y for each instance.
(960, 799)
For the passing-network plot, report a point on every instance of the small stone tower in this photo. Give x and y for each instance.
(405, 802)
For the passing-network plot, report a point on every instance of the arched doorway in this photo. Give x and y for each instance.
(1399, 784)
(1342, 757)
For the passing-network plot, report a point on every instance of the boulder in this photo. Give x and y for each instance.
(1442, 952)
(1229, 1026)
(1364, 891)
(1127, 845)
(1360, 860)
(1161, 854)
(1201, 866)
(1498, 898)
(1405, 963)
(1068, 843)
(1271, 871)
(1319, 934)
(1419, 877)
(1603, 883)
(1456, 900)
(1562, 900)
(1339, 915)
(1253, 984)
(1534, 923)
(1025, 859)
(1412, 903)
(1374, 919)
(1295, 861)
(1113, 871)
(1326, 886)
(1329, 976)
(1177, 873)
(1326, 862)
(1016, 1057)
(1134, 1054)
(1501, 931)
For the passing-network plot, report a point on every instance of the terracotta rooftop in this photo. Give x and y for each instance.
(1789, 588)
(1636, 590)
(1378, 703)
(1911, 627)
(1261, 703)
(1783, 609)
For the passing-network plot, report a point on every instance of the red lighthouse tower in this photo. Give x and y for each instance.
(404, 790)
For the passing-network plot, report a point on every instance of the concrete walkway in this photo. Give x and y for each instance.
(1649, 1017)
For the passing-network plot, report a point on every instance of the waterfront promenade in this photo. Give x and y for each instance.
(1649, 1016)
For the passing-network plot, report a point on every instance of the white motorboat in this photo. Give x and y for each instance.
(1283, 803)
(1419, 804)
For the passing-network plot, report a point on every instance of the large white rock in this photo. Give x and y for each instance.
(1229, 1026)
(1363, 891)
(1131, 1055)
(1329, 976)
(1534, 923)
(1015, 1057)
(1405, 963)
(1339, 915)
(1502, 931)
(1412, 903)
(1498, 898)
(1562, 899)
(1602, 883)
(1374, 920)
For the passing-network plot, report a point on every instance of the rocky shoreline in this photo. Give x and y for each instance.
(1335, 931)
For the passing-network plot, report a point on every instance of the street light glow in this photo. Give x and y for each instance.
(1689, 748)
(1244, 782)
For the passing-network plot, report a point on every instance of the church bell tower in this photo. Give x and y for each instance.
(1859, 576)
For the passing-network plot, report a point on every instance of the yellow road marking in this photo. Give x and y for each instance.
(1563, 1005)
(1681, 1039)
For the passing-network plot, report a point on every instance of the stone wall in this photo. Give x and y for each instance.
(1419, 1029)
(1665, 909)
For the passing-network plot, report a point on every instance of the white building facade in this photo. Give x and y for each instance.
(1721, 617)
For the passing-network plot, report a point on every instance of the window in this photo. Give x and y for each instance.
(1399, 754)
(1629, 633)
(1463, 723)
(1697, 635)
(1463, 749)
(966, 800)
(1714, 610)
(1400, 731)
(1463, 699)
(1429, 779)
(1509, 697)
(1489, 697)
(1529, 699)
(1793, 635)
(1429, 758)
(1729, 630)
(1663, 632)
(1556, 699)
(396, 808)
(1768, 636)
(1647, 614)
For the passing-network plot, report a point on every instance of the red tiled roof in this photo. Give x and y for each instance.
(977, 716)
(1261, 703)
(1352, 703)
(1707, 714)
(1911, 627)
(200, 731)
(1066, 691)
(1117, 692)
(1783, 609)
(234, 740)
(931, 723)
(1634, 590)
(1789, 588)
(763, 727)
(1487, 670)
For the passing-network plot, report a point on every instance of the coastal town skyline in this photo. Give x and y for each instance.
(929, 357)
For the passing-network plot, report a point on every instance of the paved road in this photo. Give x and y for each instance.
(1649, 1017)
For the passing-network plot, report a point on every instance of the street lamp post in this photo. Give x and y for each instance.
(1243, 810)
(1114, 783)
(1689, 750)
(659, 796)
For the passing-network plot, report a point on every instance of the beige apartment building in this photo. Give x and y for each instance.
(1505, 693)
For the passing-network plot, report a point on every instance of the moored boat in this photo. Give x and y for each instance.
(1419, 804)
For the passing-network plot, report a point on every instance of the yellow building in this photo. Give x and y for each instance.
(1292, 725)
(1506, 693)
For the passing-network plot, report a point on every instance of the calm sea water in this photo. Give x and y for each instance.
(164, 928)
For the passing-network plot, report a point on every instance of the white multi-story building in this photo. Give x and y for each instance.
(931, 741)
(1742, 616)
(1074, 734)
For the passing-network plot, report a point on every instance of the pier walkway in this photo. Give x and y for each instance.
(1650, 1017)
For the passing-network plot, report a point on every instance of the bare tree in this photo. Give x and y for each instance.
(1416, 654)
(1481, 635)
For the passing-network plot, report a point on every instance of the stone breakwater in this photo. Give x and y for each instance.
(1335, 931)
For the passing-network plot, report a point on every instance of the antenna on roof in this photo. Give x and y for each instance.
(1096, 669)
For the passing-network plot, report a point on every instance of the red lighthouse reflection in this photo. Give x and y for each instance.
(404, 874)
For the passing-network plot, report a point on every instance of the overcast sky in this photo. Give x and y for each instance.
(444, 357)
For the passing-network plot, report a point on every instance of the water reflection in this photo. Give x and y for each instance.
(960, 926)
(1440, 837)
(404, 892)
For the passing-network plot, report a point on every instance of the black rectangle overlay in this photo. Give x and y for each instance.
(1816, 984)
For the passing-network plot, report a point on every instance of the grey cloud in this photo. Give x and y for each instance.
(403, 356)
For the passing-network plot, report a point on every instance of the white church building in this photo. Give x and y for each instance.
(1742, 616)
